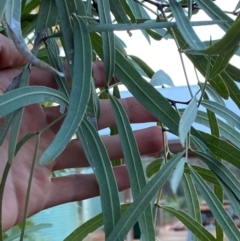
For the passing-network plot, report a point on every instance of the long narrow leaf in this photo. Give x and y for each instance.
(134, 165)
(223, 149)
(81, 88)
(215, 13)
(222, 111)
(191, 224)
(108, 40)
(91, 225)
(101, 164)
(187, 119)
(18, 98)
(47, 16)
(221, 171)
(132, 214)
(185, 27)
(222, 217)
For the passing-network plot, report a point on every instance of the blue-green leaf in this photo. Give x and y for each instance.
(161, 78)
(24, 96)
(215, 13)
(187, 119)
(134, 164)
(108, 40)
(99, 160)
(91, 225)
(219, 213)
(185, 27)
(221, 171)
(132, 214)
(177, 175)
(191, 224)
(222, 111)
(81, 87)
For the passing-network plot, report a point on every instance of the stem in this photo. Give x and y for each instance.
(29, 187)
(180, 54)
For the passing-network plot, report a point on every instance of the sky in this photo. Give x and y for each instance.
(164, 54)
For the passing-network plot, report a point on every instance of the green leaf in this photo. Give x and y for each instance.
(233, 72)
(190, 223)
(191, 197)
(221, 171)
(81, 88)
(232, 87)
(223, 112)
(154, 167)
(99, 160)
(228, 43)
(177, 175)
(21, 97)
(161, 78)
(64, 8)
(221, 63)
(132, 214)
(118, 11)
(134, 164)
(220, 86)
(219, 213)
(143, 65)
(91, 225)
(187, 119)
(215, 13)
(206, 174)
(223, 149)
(235, 204)
(108, 40)
(47, 16)
(226, 130)
(185, 27)
(56, 62)
(214, 94)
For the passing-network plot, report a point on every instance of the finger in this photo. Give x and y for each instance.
(81, 186)
(149, 141)
(135, 111)
(9, 55)
(41, 77)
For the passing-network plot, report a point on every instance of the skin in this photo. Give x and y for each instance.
(46, 191)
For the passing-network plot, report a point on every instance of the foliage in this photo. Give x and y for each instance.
(86, 27)
(31, 231)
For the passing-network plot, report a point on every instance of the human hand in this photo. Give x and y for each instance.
(45, 190)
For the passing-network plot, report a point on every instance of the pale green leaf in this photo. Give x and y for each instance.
(161, 78)
(187, 119)
(177, 175)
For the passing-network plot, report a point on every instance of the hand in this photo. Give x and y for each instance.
(47, 191)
